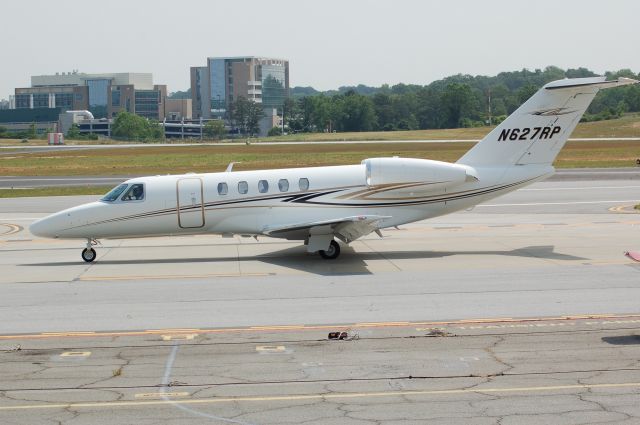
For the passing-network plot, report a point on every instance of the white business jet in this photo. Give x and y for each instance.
(321, 204)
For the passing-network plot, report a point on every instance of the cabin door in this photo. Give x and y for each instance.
(190, 206)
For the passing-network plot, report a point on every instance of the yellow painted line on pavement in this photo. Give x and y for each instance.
(625, 209)
(170, 331)
(13, 229)
(173, 330)
(276, 327)
(219, 400)
(501, 319)
(177, 276)
(380, 324)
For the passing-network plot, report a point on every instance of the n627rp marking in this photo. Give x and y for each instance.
(528, 133)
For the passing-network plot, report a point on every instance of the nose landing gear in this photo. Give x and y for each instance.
(89, 254)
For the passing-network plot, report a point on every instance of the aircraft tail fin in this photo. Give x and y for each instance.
(536, 132)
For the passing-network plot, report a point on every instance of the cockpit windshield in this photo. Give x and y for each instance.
(114, 193)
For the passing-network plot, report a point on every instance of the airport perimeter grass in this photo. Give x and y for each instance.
(627, 126)
(54, 191)
(180, 159)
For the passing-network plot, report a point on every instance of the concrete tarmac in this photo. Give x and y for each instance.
(523, 310)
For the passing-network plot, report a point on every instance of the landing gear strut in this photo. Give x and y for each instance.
(89, 254)
(332, 253)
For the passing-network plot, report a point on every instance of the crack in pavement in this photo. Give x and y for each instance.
(166, 384)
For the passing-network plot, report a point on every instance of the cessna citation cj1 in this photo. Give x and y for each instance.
(321, 204)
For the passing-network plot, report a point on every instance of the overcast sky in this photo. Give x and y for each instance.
(329, 43)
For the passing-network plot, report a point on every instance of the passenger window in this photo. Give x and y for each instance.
(303, 184)
(283, 185)
(223, 189)
(135, 193)
(263, 186)
(243, 187)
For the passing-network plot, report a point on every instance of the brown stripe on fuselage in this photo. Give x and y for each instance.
(315, 204)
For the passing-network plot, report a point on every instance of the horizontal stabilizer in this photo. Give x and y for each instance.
(591, 82)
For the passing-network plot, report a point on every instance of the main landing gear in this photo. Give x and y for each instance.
(89, 254)
(332, 252)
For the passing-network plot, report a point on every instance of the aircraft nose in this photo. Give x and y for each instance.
(43, 228)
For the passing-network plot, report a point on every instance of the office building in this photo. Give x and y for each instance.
(42, 119)
(178, 109)
(65, 97)
(103, 94)
(148, 103)
(216, 86)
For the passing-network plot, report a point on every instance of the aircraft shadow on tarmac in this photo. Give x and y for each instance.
(622, 340)
(349, 263)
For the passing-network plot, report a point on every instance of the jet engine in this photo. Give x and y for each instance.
(415, 175)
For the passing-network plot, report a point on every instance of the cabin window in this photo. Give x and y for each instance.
(263, 186)
(243, 187)
(135, 193)
(283, 185)
(114, 193)
(223, 189)
(303, 184)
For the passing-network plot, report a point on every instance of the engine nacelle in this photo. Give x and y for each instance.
(416, 175)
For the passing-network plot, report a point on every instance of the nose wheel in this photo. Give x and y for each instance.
(88, 254)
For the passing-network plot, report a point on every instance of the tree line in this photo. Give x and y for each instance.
(453, 102)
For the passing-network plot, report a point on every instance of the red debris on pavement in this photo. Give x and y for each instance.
(634, 255)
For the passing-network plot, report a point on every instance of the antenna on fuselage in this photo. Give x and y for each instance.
(230, 167)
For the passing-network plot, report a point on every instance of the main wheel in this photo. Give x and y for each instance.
(88, 254)
(332, 253)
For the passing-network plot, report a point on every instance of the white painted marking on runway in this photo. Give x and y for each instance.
(270, 349)
(533, 204)
(161, 395)
(76, 354)
(164, 394)
(185, 337)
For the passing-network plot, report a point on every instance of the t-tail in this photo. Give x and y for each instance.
(536, 132)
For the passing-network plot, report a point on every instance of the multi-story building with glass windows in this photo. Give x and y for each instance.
(66, 97)
(216, 86)
(102, 94)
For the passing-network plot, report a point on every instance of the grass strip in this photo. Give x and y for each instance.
(202, 159)
(54, 191)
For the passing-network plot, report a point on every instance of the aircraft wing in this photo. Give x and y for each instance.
(346, 229)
